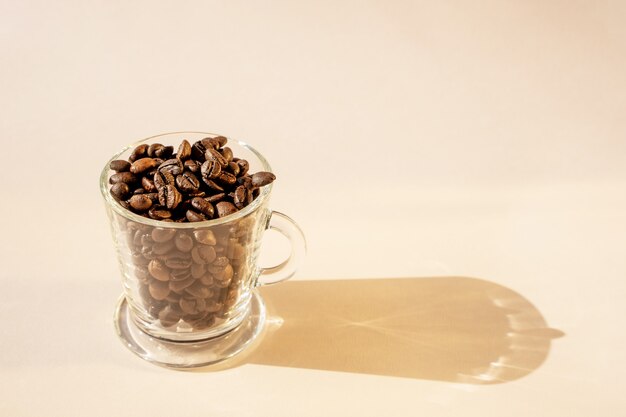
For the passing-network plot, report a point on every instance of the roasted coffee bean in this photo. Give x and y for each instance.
(126, 177)
(184, 150)
(180, 274)
(191, 165)
(207, 279)
(163, 178)
(215, 198)
(234, 168)
(221, 262)
(227, 153)
(139, 152)
(148, 184)
(187, 182)
(227, 178)
(213, 154)
(177, 262)
(179, 286)
(174, 166)
(225, 274)
(162, 248)
(212, 185)
(162, 235)
(197, 270)
(139, 191)
(210, 169)
(159, 213)
(260, 179)
(243, 167)
(239, 197)
(120, 191)
(206, 237)
(169, 316)
(142, 165)
(184, 242)
(193, 216)
(153, 148)
(159, 270)
(224, 208)
(198, 150)
(221, 140)
(203, 254)
(119, 165)
(169, 197)
(210, 143)
(164, 152)
(198, 290)
(203, 206)
(246, 181)
(188, 306)
(140, 202)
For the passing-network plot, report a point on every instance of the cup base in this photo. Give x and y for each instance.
(190, 354)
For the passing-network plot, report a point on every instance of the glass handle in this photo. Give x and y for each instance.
(286, 269)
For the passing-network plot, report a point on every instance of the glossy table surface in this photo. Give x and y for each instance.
(458, 171)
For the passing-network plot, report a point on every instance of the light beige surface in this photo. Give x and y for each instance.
(433, 141)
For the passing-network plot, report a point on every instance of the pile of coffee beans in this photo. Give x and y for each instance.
(192, 275)
(199, 182)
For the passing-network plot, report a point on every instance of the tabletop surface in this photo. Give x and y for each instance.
(457, 168)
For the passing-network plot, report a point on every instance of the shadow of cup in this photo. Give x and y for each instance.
(453, 329)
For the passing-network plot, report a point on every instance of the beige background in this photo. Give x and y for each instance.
(431, 141)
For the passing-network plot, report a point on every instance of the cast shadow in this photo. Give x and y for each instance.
(454, 329)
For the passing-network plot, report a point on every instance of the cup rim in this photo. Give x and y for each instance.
(115, 206)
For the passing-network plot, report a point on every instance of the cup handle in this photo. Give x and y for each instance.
(286, 269)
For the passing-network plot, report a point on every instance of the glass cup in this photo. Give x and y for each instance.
(189, 286)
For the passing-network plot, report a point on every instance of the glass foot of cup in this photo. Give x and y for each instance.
(190, 354)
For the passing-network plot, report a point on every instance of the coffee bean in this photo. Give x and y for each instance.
(152, 149)
(198, 290)
(169, 316)
(139, 191)
(187, 182)
(260, 179)
(212, 154)
(203, 206)
(164, 152)
(215, 198)
(224, 208)
(183, 242)
(227, 153)
(169, 197)
(203, 254)
(184, 151)
(193, 216)
(119, 165)
(221, 140)
(142, 165)
(120, 191)
(148, 184)
(174, 166)
(197, 151)
(210, 143)
(206, 237)
(179, 286)
(159, 213)
(243, 167)
(221, 262)
(162, 248)
(191, 165)
(227, 178)
(225, 274)
(212, 185)
(234, 168)
(210, 169)
(162, 235)
(239, 197)
(140, 202)
(188, 306)
(139, 152)
(158, 270)
(126, 177)
(177, 262)
(163, 178)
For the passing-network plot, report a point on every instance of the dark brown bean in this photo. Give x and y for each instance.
(227, 153)
(205, 236)
(162, 235)
(152, 149)
(210, 169)
(221, 140)
(215, 198)
(184, 150)
(212, 184)
(179, 286)
(148, 184)
(227, 178)
(159, 213)
(191, 165)
(142, 165)
(119, 165)
(193, 216)
(163, 178)
(260, 179)
(239, 197)
(177, 263)
(203, 206)
(140, 202)
(164, 152)
(197, 151)
(163, 247)
(243, 166)
(187, 182)
(198, 290)
(213, 154)
(169, 197)
(197, 270)
(139, 191)
(139, 152)
(210, 143)
(120, 191)
(126, 177)
(234, 168)
(224, 208)
(173, 166)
